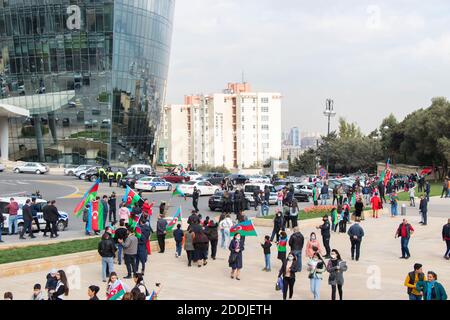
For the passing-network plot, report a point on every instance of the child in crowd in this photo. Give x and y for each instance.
(266, 248)
(37, 293)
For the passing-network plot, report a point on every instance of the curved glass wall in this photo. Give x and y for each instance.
(92, 74)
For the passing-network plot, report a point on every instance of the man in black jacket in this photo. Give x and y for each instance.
(27, 220)
(46, 214)
(34, 211)
(161, 232)
(213, 236)
(296, 243)
(446, 238)
(423, 208)
(107, 250)
(325, 231)
(53, 216)
(278, 225)
(112, 202)
(142, 253)
(195, 197)
(356, 233)
(120, 234)
(193, 218)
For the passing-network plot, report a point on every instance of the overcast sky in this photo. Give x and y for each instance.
(371, 57)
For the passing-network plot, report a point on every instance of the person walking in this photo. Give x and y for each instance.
(225, 226)
(446, 238)
(313, 246)
(336, 268)
(193, 218)
(359, 207)
(412, 196)
(316, 268)
(294, 211)
(356, 233)
(161, 226)
(107, 250)
(213, 236)
(27, 220)
(281, 246)
(296, 243)
(178, 235)
(201, 245)
(12, 208)
(189, 246)
(404, 232)
(112, 203)
(287, 273)
(62, 287)
(324, 194)
(423, 207)
(325, 231)
(121, 233)
(53, 216)
(412, 278)
(130, 246)
(431, 289)
(34, 211)
(235, 260)
(278, 225)
(394, 204)
(376, 205)
(195, 197)
(266, 249)
(142, 253)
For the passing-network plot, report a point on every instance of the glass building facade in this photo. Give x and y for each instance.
(92, 73)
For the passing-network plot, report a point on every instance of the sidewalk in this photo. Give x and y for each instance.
(378, 275)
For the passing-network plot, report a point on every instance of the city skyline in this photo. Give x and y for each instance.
(371, 58)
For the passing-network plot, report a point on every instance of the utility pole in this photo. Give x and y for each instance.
(329, 113)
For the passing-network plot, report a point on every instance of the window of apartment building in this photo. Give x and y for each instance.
(254, 100)
(264, 118)
(264, 109)
(265, 127)
(264, 100)
(265, 136)
(265, 145)
(254, 126)
(254, 108)
(243, 128)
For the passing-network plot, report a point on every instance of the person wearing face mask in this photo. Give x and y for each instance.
(313, 246)
(278, 225)
(287, 272)
(316, 268)
(235, 259)
(282, 243)
(336, 267)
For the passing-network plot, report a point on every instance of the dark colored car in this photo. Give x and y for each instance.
(92, 174)
(175, 178)
(131, 179)
(214, 178)
(238, 178)
(216, 202)
(301, 196)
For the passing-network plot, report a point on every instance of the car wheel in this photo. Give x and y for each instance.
(216, 191)
(169, 188)
(212, 208)
(93, 178)
(17, 170)
(82, 176)
(153, 189)
(38, 171)
(60, 225)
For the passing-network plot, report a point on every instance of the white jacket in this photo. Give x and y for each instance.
(226, 224)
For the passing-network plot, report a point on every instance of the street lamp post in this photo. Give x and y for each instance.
(329, 113)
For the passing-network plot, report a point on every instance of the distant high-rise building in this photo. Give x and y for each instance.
(294, 137)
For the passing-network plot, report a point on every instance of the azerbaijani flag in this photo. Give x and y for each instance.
(131, 197)
(138, 232)
(88, 197)
(386, 174)
(177, 192)
(152, 296)
(175, 219)
(96, 215)
(245, 228)
(133, 221)
(117, 292)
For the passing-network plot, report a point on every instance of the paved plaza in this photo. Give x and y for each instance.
(378, 275)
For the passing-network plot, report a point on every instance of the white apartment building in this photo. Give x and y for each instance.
(236, 129)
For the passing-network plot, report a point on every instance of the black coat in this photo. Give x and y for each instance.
(325, 229)
(145, 234)
(195, 196)
(296, 241)
(107, 248)
(278, 222)
(211, 231)
(46, 212)
(27, 213)
(53, 214)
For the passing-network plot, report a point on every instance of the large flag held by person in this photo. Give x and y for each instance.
(96, 216)
(131, 197)
(386, 174)
(88, 197)
(176, 218)
(178, 192)
(117, 292)
(245, 228)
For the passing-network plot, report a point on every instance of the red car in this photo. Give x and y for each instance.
(174, 178)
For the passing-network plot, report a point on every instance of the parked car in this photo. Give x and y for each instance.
(138, 168)
(62, 223)
(81, 173)
(130, 180)
(74, 171)
(204, 188)
(250, 188)
(91, 124)
(258, 179)
(301, 196)
(153, 184)
(175, 178)
(106, 124)
(70, 169)
(193, 175)
(215, 177)
(216, 202)
(238, 179)
(31, 167)
(304, 187)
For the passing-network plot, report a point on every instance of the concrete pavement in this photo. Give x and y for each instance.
(378, 275)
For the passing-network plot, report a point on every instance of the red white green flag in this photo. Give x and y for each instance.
(96, 215)
(117, 292)
(175, 220)
(245, 228)
(131, 197)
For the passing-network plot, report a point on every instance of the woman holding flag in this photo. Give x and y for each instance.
(235, 259)
(115, 289)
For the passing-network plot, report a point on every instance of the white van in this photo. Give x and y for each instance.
(249, 188)
(137, 168)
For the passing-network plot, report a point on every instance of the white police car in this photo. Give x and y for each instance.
(152, 184)
(62, 223)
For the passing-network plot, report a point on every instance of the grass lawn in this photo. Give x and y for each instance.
(51, 250)
(435, 190)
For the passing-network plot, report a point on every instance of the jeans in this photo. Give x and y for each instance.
(425, 216)
(107, 262)
(264, 210)
(367, 199)
(119, 253)
(225, 238)
(280, 203)
(447, 253)
(288, 283)
(162, 242)
(315, 287)
(12, 222)
(298, 255)
(405, 251)
(130, 262)
(394, 211)
(414, 297)
(323, 199)
(355, 249)
(275, 232)
(178, 245)
(267, 261)
(411, 202)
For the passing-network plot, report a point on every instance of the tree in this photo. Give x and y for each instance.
(305, 163)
